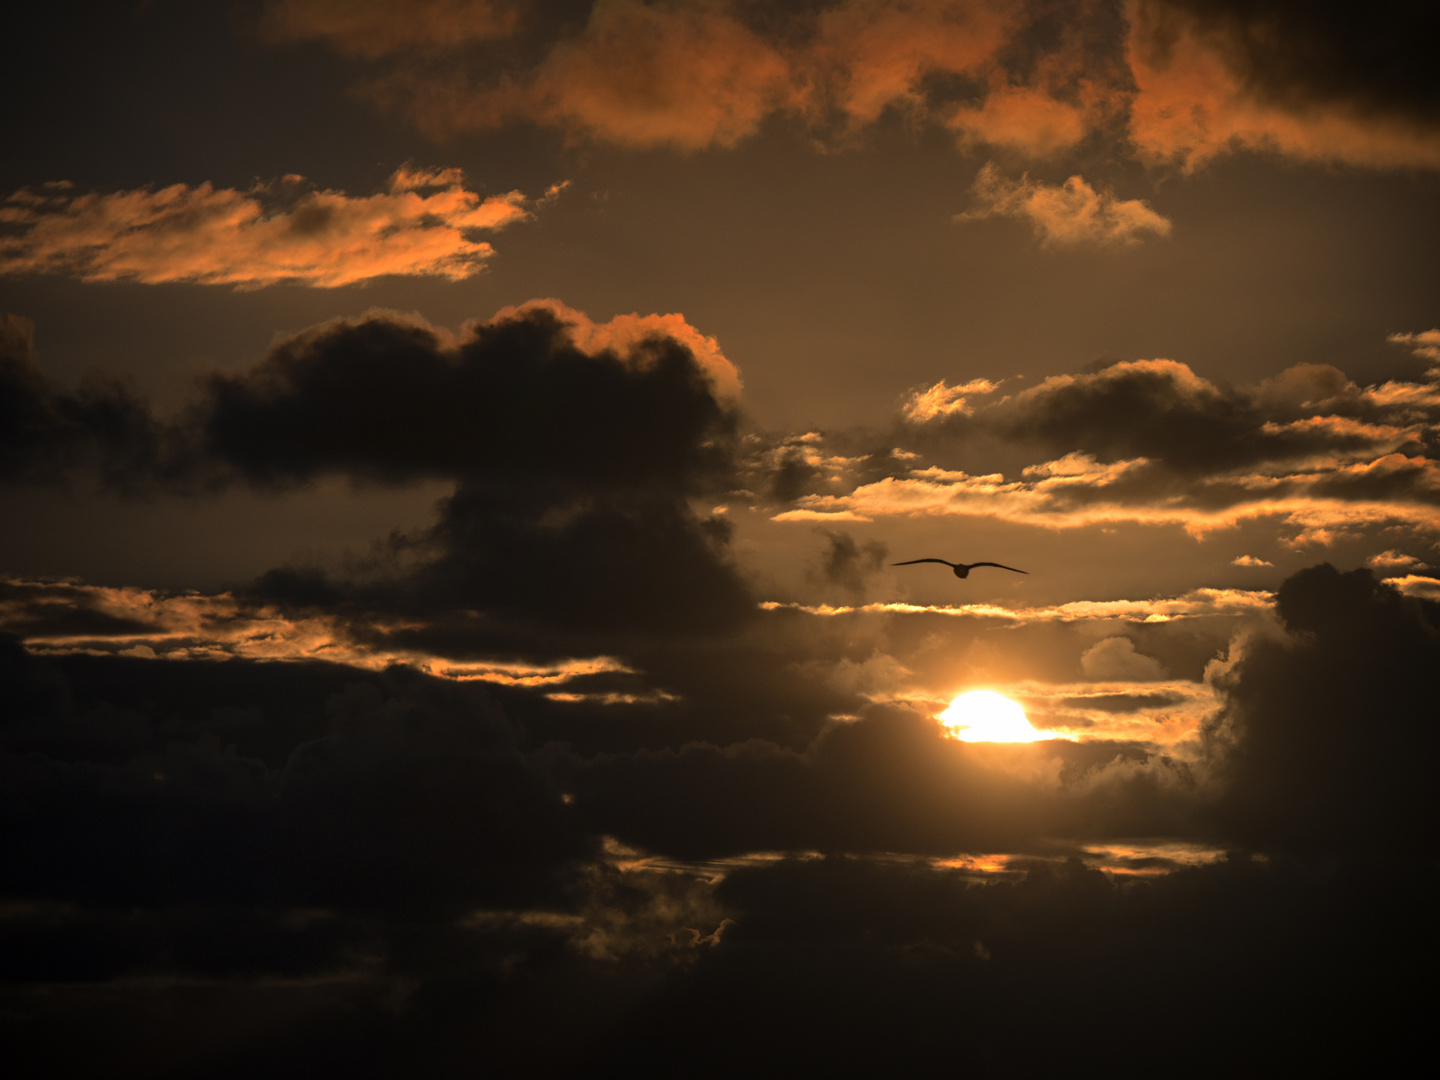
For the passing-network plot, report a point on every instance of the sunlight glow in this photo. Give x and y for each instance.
(985, 716)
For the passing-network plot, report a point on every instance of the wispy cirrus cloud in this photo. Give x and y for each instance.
(1065, 214)
(423, 223)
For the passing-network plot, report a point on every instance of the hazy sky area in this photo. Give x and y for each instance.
(454, 456)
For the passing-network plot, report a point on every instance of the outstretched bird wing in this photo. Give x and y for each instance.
(996, 564)
(912, 562)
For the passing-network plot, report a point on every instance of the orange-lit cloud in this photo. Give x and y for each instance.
(868, 56)
(1418, 585)
(625, 333)
(1193, 604)
(638, 75)
(1066, 214)
(375, 28)
(1392, 560)
(941, 400)
(422, 223)
(1201, 91)
(1076, 500)
(1167, 82)
(695, 75)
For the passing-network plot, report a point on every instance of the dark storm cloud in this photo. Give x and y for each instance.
(574, 468)
(574, 465)
(1323, 735)
(515, 403)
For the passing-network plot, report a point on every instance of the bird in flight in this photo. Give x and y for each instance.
(962, 570)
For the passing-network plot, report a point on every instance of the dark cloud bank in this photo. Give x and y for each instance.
(215, 868)
(241, 868)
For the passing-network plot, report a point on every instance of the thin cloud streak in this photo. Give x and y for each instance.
(1194, 604)
(422, 224)
(64, 617)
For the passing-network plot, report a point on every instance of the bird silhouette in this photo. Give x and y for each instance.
(962, 570)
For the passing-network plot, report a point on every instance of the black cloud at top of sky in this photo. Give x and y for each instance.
(1375, 58)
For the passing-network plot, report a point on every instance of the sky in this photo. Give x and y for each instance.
(455, 457)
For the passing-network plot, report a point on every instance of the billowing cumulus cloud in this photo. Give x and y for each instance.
(424, 223)
(1070, 213)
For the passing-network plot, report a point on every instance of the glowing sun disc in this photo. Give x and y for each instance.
(985, 716)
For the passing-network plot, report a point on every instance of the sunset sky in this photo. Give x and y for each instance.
(454, 455)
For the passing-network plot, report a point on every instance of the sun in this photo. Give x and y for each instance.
(985, 716)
